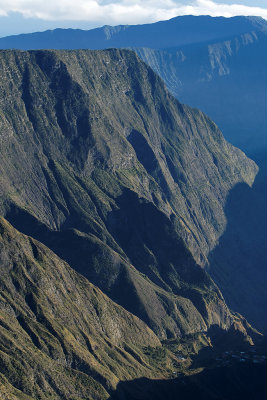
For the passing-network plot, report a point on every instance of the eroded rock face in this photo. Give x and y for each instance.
(56, 328)
(219, 66)
(215, 77)
(206, 62)
(104, 166)
(92, 111)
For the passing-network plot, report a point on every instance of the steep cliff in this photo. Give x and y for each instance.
(102, 165)
(227, 80)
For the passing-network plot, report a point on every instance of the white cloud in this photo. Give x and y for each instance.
(123, 11)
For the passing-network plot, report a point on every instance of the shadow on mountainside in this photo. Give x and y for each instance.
(146, 252)
(226, 370)
(239, 381)
(239, 263)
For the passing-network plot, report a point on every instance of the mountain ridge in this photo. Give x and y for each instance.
(110, 180)
(85, 119)
(189, 63)
(174, 32)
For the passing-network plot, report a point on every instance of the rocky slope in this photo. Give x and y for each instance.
(60, 336)
(206, 62)
(218, 65)
(227, 64)
(102, 165)
(228, 80)
(96, 111)
(92, 143)
(210, 63)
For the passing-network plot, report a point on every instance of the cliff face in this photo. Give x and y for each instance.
(106, 113)
(222, 58)
(218, 65)
(227, 80)
(61, 337)
(102, 165)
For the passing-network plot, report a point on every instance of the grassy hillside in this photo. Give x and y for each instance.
(60, 336)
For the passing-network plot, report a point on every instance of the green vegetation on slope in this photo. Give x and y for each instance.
(102, 165)
(60, 336)
(92, 142)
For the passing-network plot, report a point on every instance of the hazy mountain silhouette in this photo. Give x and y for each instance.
(225, 79)
(174, 32)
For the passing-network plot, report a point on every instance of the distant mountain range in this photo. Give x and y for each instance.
(178, 31)
(226, 79)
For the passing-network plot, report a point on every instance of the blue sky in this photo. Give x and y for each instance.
(21, 16)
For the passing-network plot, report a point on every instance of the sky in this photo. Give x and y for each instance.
(23, 16)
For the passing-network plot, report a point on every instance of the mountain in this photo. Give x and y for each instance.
(178, 31)
(218, 65)
(60, 336)
(121, 193)
(206, 62)
(228, 80)
(214, 77)
(96, 172)
(106, 175)
(97, 165)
